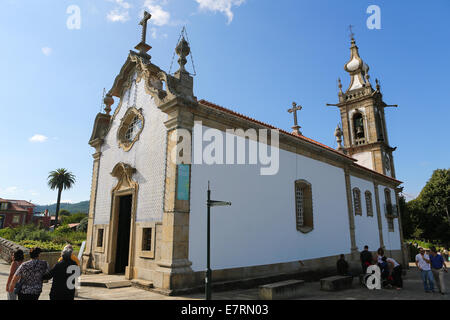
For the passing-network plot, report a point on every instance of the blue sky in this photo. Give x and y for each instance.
(253, 56)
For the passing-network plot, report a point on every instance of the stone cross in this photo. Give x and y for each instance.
(294, 110)
(142, 46)
(143, 23)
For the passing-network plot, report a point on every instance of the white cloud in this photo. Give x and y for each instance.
(47, 51)
(11, 190)
(38, 138)
(223, 6)
(121, 12)
(160, 17)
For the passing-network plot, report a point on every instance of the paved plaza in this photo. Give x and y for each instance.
(413, 290)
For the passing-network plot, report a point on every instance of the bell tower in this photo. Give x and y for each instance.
(363, 118)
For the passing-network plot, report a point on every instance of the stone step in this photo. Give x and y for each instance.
(104, 281)
(93, 271)
(281, 290)
(142, 284)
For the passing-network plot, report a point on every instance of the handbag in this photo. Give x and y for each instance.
(18, 287)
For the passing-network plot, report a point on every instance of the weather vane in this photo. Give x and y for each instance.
(352, 35)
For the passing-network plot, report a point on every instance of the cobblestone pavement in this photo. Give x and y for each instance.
(413, 290)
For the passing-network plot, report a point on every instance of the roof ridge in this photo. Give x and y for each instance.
(302, 137)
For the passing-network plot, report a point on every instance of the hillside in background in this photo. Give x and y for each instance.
(71, 207)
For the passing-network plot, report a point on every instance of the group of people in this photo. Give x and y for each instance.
(431, 266)
(391, 270)
(26, 278)
(432, 269)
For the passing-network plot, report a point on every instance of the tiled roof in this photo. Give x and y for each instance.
(17, 205)
(301, 137)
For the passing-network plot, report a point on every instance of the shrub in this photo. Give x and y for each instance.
(83, 225)
(31, 236)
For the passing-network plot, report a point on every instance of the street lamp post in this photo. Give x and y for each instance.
(210, 203)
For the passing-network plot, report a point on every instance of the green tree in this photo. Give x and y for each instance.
(428, 213)
(83, 225)
(60, 179)
(64, 212)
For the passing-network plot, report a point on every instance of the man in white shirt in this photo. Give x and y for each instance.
(423, 263)
(395, 270)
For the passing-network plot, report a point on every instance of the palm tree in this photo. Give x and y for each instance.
(60, 179)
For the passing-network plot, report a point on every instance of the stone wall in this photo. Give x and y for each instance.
(7, 249)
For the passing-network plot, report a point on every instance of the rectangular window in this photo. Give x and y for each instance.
(4, 206)
(100, 238)
(369, 206)
(147, 239)
(391, 224)
(303, 206)
(16, 219)
(299, 205)
(357, 201)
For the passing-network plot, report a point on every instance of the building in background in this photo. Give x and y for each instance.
(14, 213)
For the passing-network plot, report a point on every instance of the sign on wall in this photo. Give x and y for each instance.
(183, 182)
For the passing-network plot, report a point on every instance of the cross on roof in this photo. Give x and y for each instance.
(143, 47)
(294, 110)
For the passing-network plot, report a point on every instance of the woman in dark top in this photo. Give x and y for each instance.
(62, 289)
(30, 273)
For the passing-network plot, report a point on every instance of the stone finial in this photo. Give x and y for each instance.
(109, 101)
(340, 86)
(338, 134)
(182, 50)
(378, 84)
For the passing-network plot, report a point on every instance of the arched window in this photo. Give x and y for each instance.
(389, 209)
(369, 205)
(358, 128)
(357, 201)
(303, 206)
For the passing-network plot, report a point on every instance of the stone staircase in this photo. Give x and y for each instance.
(95, 278)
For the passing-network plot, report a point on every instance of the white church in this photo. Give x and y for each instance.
(147, 216)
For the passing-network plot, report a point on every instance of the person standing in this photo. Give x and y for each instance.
(342, 266)
(73, 257)
(380, 254)
(60, 273)
(18, 258)
(423, 263)
(395, 270)
(438, 268)
(30, 273)
(366, 259)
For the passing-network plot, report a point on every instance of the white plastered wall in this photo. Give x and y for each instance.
(366, 227)
(260, 226)
(391, 239)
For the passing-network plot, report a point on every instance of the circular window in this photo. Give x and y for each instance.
(130, 128)
(133, 129)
